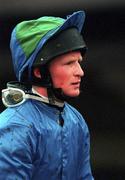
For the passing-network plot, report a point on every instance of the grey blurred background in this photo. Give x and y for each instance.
(102, 101)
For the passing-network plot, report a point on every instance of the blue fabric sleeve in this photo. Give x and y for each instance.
(86, 161)
(84, 165)
(15, 153)
(85, 173)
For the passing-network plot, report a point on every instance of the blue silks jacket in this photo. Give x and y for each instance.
(33, 146)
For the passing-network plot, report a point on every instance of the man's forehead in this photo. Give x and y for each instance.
(70, 56)
(75, 54)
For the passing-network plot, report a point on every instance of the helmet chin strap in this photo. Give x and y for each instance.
(56, 94)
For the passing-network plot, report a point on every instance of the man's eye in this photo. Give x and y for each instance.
(70, 62)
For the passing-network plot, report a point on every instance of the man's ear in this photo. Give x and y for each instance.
(36, 72)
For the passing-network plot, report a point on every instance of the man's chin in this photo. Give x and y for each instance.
(66, 95)
(74, 94)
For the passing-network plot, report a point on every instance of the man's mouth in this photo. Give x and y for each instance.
(77, 84)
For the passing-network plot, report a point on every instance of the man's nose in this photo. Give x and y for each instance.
(79, 71)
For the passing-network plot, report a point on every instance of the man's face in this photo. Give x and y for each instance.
(66, 73)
